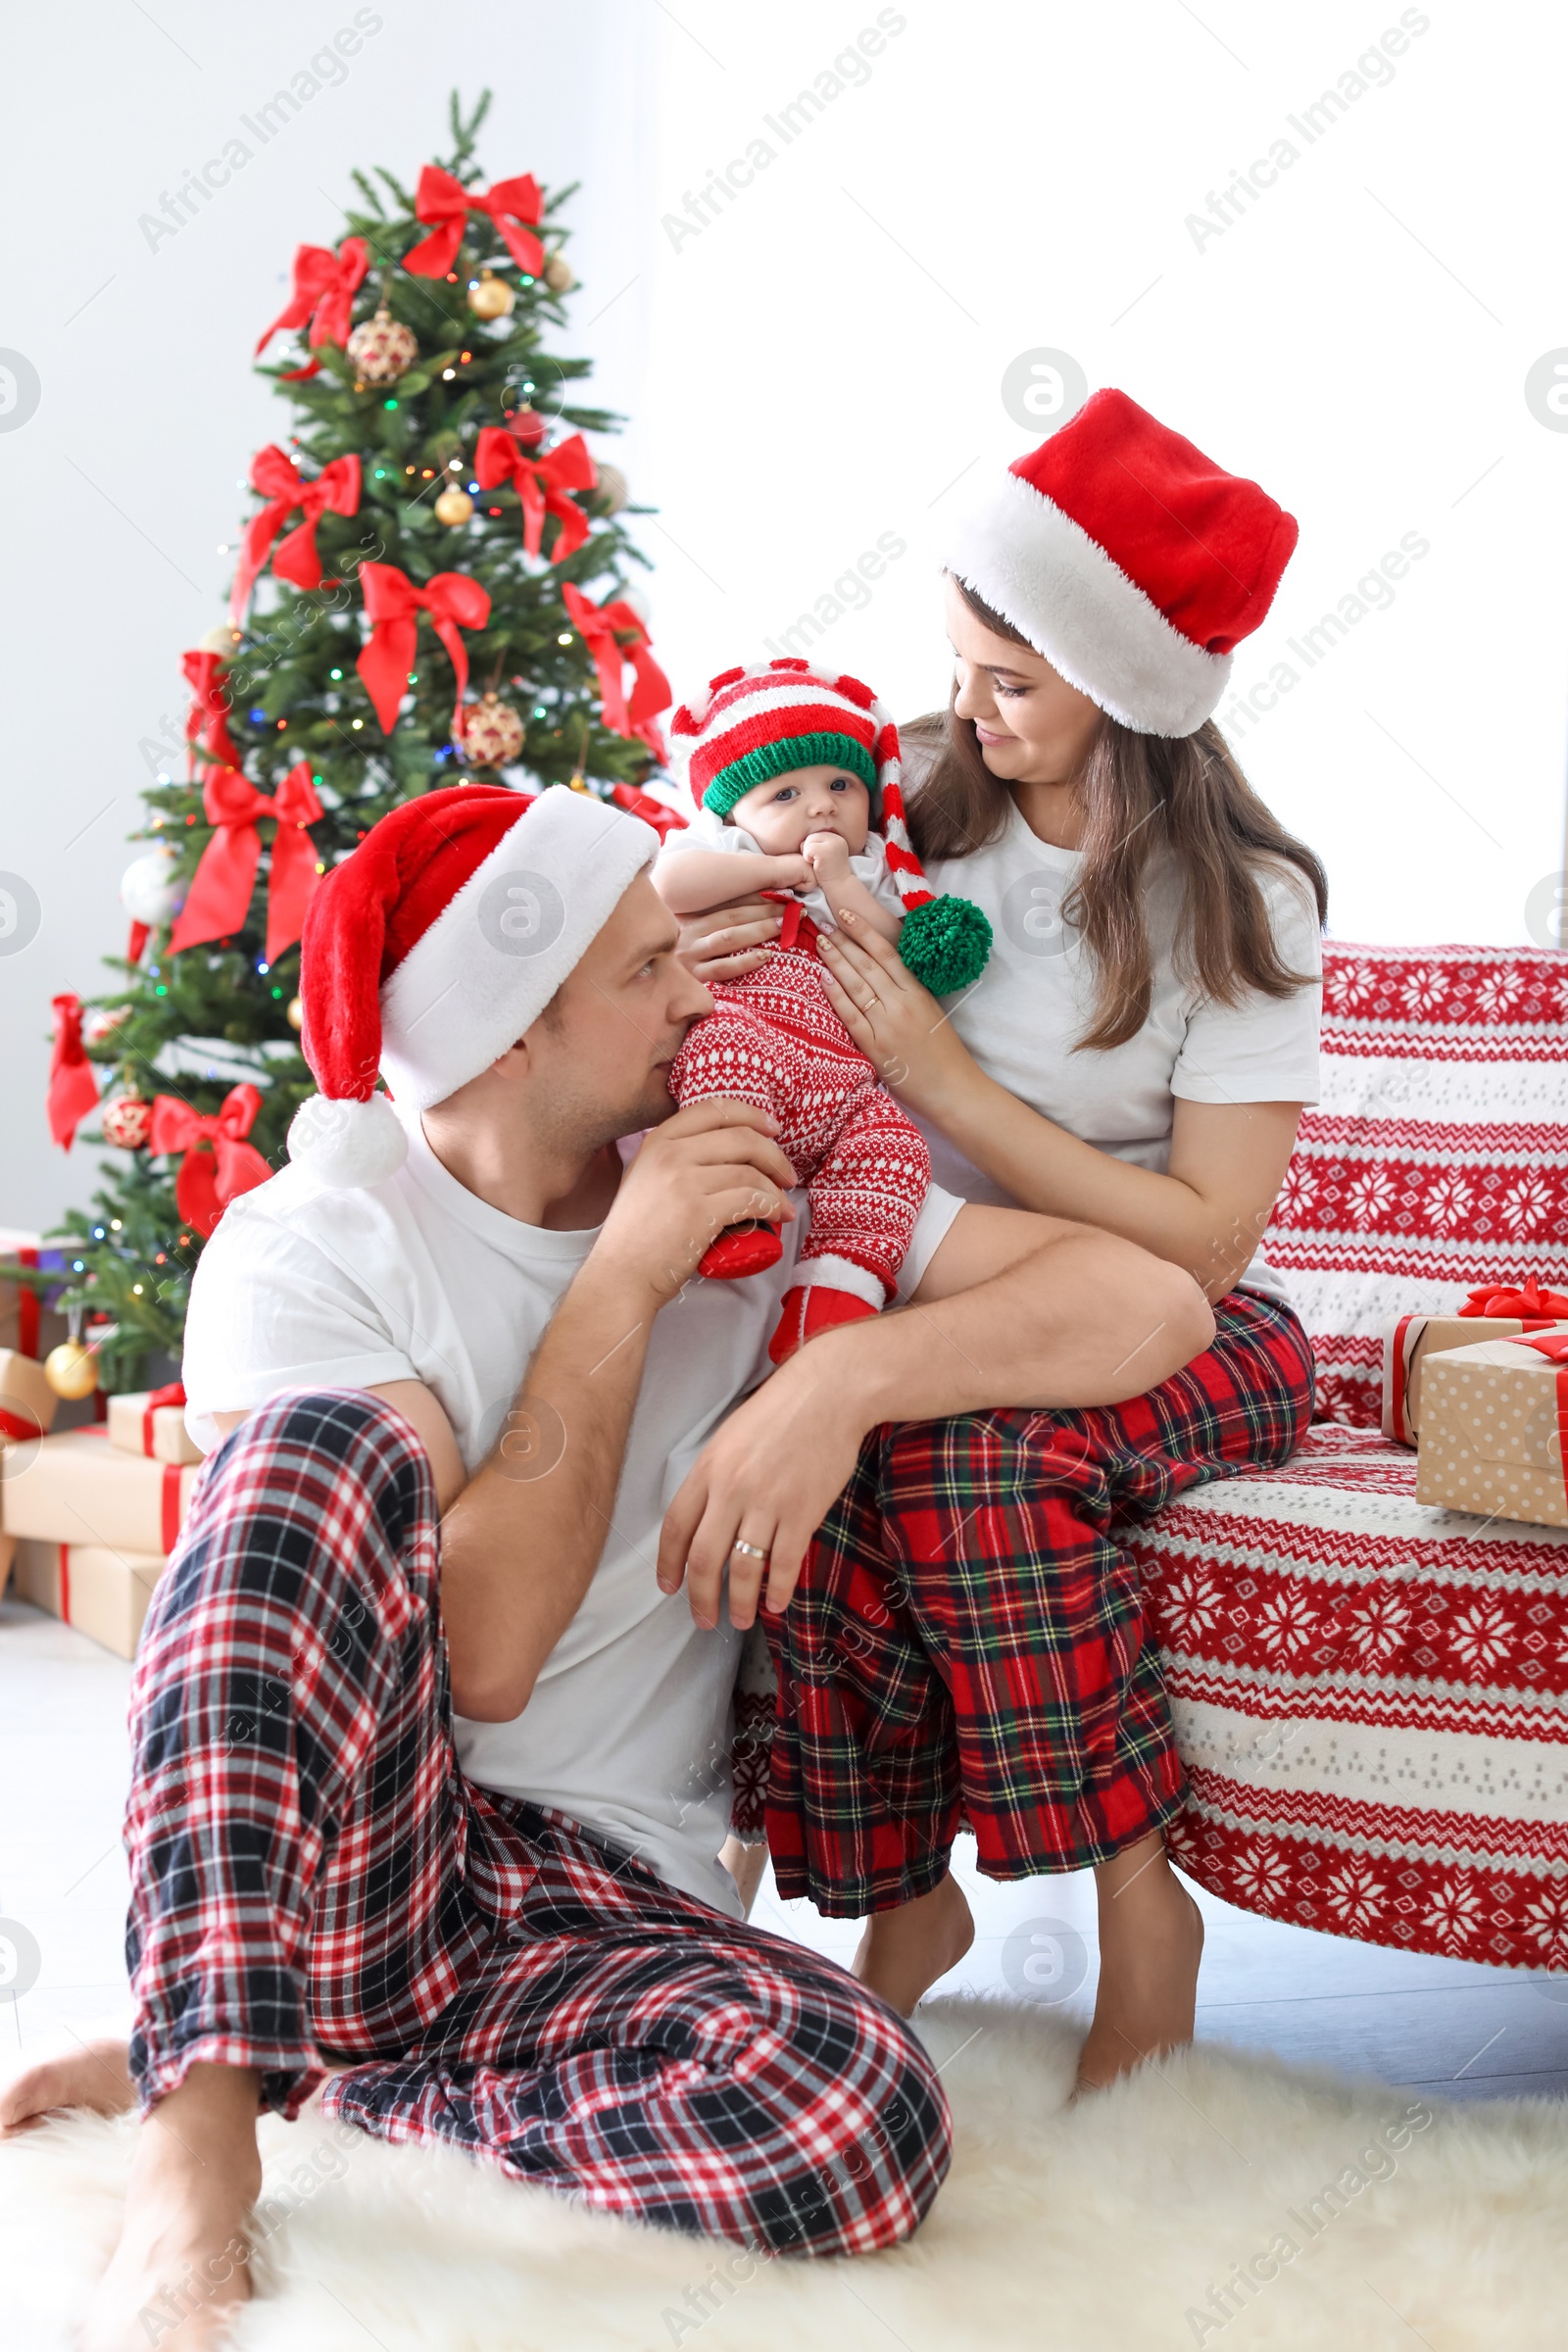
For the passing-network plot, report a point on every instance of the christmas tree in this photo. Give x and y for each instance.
(431, 588)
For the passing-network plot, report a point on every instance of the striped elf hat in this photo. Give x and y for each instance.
(760, 722)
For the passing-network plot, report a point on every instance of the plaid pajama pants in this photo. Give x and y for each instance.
(315, 1884)
(967, 1643)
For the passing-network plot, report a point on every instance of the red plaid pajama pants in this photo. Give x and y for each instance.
(967, 1643)
(313, 1883)
(774, 1040)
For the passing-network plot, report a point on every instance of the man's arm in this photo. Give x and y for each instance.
(1015, 1310)
(521, 1538)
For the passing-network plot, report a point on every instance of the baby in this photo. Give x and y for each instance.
(795, 777)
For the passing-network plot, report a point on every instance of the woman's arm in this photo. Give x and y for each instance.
(693, 879)
(1205, 1214)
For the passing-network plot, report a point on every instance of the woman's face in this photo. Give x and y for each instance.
(1031, 725)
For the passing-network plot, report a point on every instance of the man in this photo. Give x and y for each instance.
(461, 1370)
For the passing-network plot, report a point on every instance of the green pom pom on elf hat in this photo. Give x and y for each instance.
(945, 942)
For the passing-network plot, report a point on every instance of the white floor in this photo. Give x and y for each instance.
(1445, 2026)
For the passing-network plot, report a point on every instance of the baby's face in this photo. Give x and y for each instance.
(779, 815)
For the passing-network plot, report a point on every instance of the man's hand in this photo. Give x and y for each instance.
(768, 1474)
(713, 1165)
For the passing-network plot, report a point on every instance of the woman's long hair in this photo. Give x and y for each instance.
(1184, 796)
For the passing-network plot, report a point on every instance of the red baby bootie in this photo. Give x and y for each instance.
(809, 1309)
(741, 1249)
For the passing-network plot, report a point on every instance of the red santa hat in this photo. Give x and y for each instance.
(1131, 560)
(759, 721)
(435, 945)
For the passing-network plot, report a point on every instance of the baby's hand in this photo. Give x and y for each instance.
(827, 855)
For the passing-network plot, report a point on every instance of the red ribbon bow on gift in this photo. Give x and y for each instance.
(325, 286)
(1528, 1301)
(209, 708)
(542, 484)
(218, 1165)
(392, 605)
(73, 1089)
(220, 896)
(173, 1393)
(602, 627)
(447, 202)
(335, 489)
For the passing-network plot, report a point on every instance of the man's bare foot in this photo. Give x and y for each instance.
(1151, 1943)
(180, 2270)
(903, 1951)
(96, 2075)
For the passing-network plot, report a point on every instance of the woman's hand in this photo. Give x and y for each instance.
(899, 1028)
(725, 943)
(769, 1476)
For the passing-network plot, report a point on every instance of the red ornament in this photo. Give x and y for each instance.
(127, 1121)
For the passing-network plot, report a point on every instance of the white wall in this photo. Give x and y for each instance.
(815, 367)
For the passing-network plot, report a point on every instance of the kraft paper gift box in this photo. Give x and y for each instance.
(75, 1488)
(25, 1323)
(151, 1422)
(1409, 1343)
(1493, 1422)
(27, 1400)
(102, 1593)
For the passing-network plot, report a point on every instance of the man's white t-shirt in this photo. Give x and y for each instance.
(1035, 997)
(868, 866)
(302, 1286)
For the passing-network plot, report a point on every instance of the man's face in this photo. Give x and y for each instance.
(599, 1059)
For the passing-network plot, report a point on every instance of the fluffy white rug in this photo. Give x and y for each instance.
(1118, 2224)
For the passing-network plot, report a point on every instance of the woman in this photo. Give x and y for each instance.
(1136, 1056)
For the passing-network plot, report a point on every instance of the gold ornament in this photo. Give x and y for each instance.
(222, 640)
(612, 489)
(72, 1370)
(491, 298)
(381, 350)
(492, 733)
(296, 1013)
(453, 505)
(557, 274)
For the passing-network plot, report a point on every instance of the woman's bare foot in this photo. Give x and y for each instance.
(1151, 1943)
(96, 2075)
(903, 1951)
(180, 2270)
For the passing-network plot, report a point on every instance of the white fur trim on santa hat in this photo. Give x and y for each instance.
(1043, 572)
(495, 956)
(347, 1143)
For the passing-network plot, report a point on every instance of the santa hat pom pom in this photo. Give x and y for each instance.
(347, 1142)
(945, 942)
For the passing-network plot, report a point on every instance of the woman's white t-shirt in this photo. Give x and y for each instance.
(306, 1286)
(1035, 998)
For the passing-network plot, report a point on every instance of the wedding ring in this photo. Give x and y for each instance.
(753, 1551)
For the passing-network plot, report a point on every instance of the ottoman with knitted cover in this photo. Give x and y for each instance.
(1371, 1695)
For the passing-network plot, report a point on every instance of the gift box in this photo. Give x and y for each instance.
(1409, 1343)
(152, 1422)
(27, 1400)
(75, 1488)
(1492, 1423)
(104, 1594)
(26, 1325)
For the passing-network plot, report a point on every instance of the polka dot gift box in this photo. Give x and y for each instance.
(1493, 1422)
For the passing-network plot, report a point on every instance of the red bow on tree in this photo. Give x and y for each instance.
(325, 286)
(209, 708)
(73, 1089)
(653, 813)
(393, 604)
(602, 628)
(542, 484)
(218, 1165)
(1528, 1301)
(220, 896)
(447, 202)
(336, 488)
